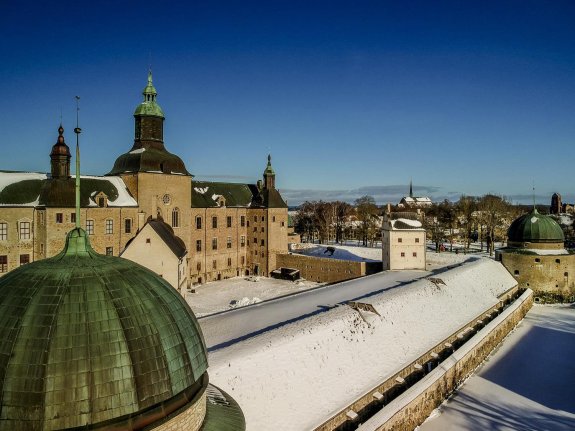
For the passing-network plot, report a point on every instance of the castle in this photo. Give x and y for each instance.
(228, 229)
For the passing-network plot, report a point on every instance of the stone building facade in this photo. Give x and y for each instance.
(228, 229)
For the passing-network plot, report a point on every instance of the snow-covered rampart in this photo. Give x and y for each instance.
(299, 375)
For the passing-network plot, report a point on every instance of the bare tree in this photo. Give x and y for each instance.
(341, 210)
(366, 211)
(495, 211)
(465, 210)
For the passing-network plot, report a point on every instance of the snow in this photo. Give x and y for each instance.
(525, 385)
(217, 296)
(342, 252)
(138, 151)
(566, 219)
(412, 223)
(201, 190)
(342, 353)
(534, 219)
(547, 252)
(124, 198)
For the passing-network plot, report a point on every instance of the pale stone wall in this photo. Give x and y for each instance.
(190, 419)
(277, 243)
(325, 270)
(544, 274)
(403, 249)
(150, 251)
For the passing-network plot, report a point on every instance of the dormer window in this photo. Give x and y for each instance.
(101, 199)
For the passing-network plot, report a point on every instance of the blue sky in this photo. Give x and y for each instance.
(350, 98)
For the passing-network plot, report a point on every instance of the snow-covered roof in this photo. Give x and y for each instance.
(404, 223)
(32, 189)
(320, 364)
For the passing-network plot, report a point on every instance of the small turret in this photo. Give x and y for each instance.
(269, 175)
(60, 157)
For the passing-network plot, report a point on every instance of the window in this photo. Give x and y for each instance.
(198, 222)
(109, 227)
(59, 217)
(565, 274)
(214, 264)
(242, 241)
(557, 260)
(537, 260)
(101, 202)
(199, 245)
(24, 230)
(255, 241)
(255, 219)
(214, 243)
(274, 219)
(243, 260)
(199, 266)
(128, 225)
(229, 221)
(90, 227)
(516, 272)
(263, 230)
(3, 231)
(148, 241)
(255, 229)
(215, 222)
(242, 221)
(248, 223)
(175, 217)
(42, 215)
(263, 242)
(402, 254)
(416, 240)
(109, 251)
(229, 242)
(24, 259)
(73, 217)
(414, 254)
(263, 218)
(283, 224)
(399, 240)
(3, 263)
(41, 248)
(229, 261)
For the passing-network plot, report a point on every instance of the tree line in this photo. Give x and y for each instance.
(482, 219)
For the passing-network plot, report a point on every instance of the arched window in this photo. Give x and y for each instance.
(176, 217)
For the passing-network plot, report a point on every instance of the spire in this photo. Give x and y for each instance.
(77, 131)
(410, 188)
(60, 157)
(269, 174)
(150, 92)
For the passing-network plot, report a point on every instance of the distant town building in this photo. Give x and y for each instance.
(559, 207)
(403, 241)
(228, 229)
(414, 202)
(537, 258)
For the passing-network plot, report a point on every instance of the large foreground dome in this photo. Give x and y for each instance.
(535, 228)
(97, 342)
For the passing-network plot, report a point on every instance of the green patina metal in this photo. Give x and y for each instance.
(536, 228)
(149, 106)
(269, 170)
(88, 339)
(149, 160)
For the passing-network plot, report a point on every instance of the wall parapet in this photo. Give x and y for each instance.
(389, 390)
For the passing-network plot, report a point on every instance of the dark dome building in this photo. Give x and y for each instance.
(98, 342)
(537, 258)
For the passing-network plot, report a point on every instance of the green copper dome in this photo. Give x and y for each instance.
(536, 228)
(96, 342)
(149, 106)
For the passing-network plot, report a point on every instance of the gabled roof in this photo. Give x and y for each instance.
(32, 189)
(166, 233)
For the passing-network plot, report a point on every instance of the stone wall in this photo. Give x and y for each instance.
(326, 270)
(187, 419)
(412, 407)
(549, 276)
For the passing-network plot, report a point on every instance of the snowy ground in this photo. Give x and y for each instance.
(299, 374)
(528, 384)
(241, 291)
(224, 295)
